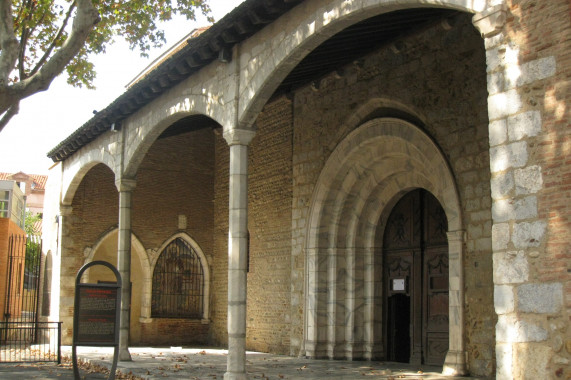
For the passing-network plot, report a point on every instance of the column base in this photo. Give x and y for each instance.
(235, 376)
(125, 355)
(455, 364)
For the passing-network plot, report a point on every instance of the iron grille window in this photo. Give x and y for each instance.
(178, 283)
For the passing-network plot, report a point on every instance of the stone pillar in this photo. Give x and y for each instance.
(125, 188)
(68, 268)
(238, 140)
(455, 362)
(523, 305)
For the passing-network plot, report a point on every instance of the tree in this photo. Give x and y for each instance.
(31, 223)
(39, 39)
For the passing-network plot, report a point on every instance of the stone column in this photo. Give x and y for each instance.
(455, 362)
(525, 307)
(68, 268)
(125, 187)
(238, 140)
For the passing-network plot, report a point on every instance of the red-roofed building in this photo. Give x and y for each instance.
(32, 185)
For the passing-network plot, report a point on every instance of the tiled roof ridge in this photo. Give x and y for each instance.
(39, 179)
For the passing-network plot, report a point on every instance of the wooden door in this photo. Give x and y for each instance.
(415, 253)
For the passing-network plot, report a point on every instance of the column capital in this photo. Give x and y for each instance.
(125, 184)
(455, 235)
(239, 136)
(491, 21)
(65, 210)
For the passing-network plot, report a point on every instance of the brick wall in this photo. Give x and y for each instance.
(219, 294)
(269, 213)
(7, 229)
(175, 178)
(269, 217)
(174, 332)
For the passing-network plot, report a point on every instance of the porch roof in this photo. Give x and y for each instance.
(214, 43)
(217, 41)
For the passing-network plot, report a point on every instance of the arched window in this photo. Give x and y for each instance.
(178, 282)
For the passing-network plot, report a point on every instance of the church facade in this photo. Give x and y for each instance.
(362, 180)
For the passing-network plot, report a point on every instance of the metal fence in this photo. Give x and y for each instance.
(22, 279)
(30, 342)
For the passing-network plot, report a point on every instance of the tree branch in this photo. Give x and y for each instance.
(54, 41)
(9, 114)
(85, 19)
(24, 40)
(8, 42)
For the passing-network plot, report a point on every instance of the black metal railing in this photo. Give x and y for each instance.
(30, 342)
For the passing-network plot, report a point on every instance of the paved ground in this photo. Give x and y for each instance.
(208, 364)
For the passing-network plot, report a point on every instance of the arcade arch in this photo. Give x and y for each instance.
(106, 250)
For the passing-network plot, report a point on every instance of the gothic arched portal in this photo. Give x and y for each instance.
(365, 176)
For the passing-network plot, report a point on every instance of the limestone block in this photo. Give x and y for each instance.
(533, 362)
(500, 236)
(510, 267)
(513, 155)
(540, 298)
(502, 184)
(504, 360)
(523, 125)
(532, 71)
(504, 104)
(503, 299)
(494, 59)
(496, 83)
(528, 180)
(510, 329)
(527, 235)
(519, 209)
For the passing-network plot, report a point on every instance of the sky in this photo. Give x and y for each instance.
(45, 119)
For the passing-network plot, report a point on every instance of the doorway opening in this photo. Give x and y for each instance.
(415, 255)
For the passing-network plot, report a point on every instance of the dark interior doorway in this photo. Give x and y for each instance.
(415, 251)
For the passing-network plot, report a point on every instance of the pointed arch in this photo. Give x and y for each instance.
(362, 179)
(182, 267)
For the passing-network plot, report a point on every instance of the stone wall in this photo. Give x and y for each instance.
(529, 69)
(437, 78)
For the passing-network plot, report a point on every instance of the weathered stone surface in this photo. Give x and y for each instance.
(533, 362)
(532, 71)
(511, 329)
(513, 155)
(557, 343)
(498, 132)
(504, 362)
(504, 299)
(518, 209)
(528, 180)
(540, 298)
(527, 235)
(504, 104)
(510, 267)
(502, 185)
(500, 236)
(525, 124)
